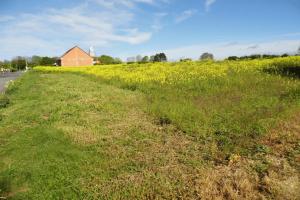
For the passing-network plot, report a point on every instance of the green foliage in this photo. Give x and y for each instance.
(160, 57)
(267, 56)
(288, 68)
(118, 61)
(47, 61)
(207, 56)
(151, 59)
(257, 56)
(5, 64)
(108, 60)
(35, 61)
(232, 58)
(186, 60)
(18, 63)
(145, 59)
(104, 59)
(261, 168)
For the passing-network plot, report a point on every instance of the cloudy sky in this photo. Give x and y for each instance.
(123, 28)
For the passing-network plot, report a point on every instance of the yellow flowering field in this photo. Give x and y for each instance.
(172, 73)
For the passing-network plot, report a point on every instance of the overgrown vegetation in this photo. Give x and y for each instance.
(209, 130)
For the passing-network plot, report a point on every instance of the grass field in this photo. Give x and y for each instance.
(195, 130)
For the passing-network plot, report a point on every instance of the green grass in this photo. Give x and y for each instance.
(74, 136)
(69, 136)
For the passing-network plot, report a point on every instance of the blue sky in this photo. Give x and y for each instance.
(124, 28)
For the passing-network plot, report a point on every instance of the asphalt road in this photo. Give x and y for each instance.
(6, 77)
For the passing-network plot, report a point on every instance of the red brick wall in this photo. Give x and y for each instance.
(76, 58)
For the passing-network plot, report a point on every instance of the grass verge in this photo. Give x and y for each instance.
(72, 136)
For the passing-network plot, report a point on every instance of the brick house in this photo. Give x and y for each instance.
(76, 57)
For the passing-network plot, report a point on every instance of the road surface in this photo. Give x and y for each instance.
(6, 77)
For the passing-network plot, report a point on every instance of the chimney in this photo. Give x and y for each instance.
(92, 52)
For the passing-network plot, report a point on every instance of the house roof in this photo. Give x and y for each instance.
(74, 48)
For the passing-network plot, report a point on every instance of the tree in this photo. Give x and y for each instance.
(151, 59)
(35, 61)
(186, 60)
(6, 64)
(160, 57)
(163, 57)
(156, 58)
(47, 61)
(18, 63)
(145, 59)
(255, 56)
(298, 53)
(207, 56)
(267, 56)
(232, 58)
(106, 60)
(117, 61)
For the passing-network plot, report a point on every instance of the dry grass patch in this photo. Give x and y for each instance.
(281, 180)
(284, 140)
(80, 134)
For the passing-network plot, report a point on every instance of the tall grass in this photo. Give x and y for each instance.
(232, 103)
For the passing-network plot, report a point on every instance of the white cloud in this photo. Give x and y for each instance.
(54, 30)
(208, 4)
(223, 50)
(185, 15)
(113, 4)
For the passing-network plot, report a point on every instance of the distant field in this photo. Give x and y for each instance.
(190, 130)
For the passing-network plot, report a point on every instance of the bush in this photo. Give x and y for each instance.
(186, 60)
(207, 56)
(289, 68)
(233, 58)
(108, 60)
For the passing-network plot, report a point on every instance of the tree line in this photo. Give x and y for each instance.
(20, 63)
(257, 56)
(107, 60)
